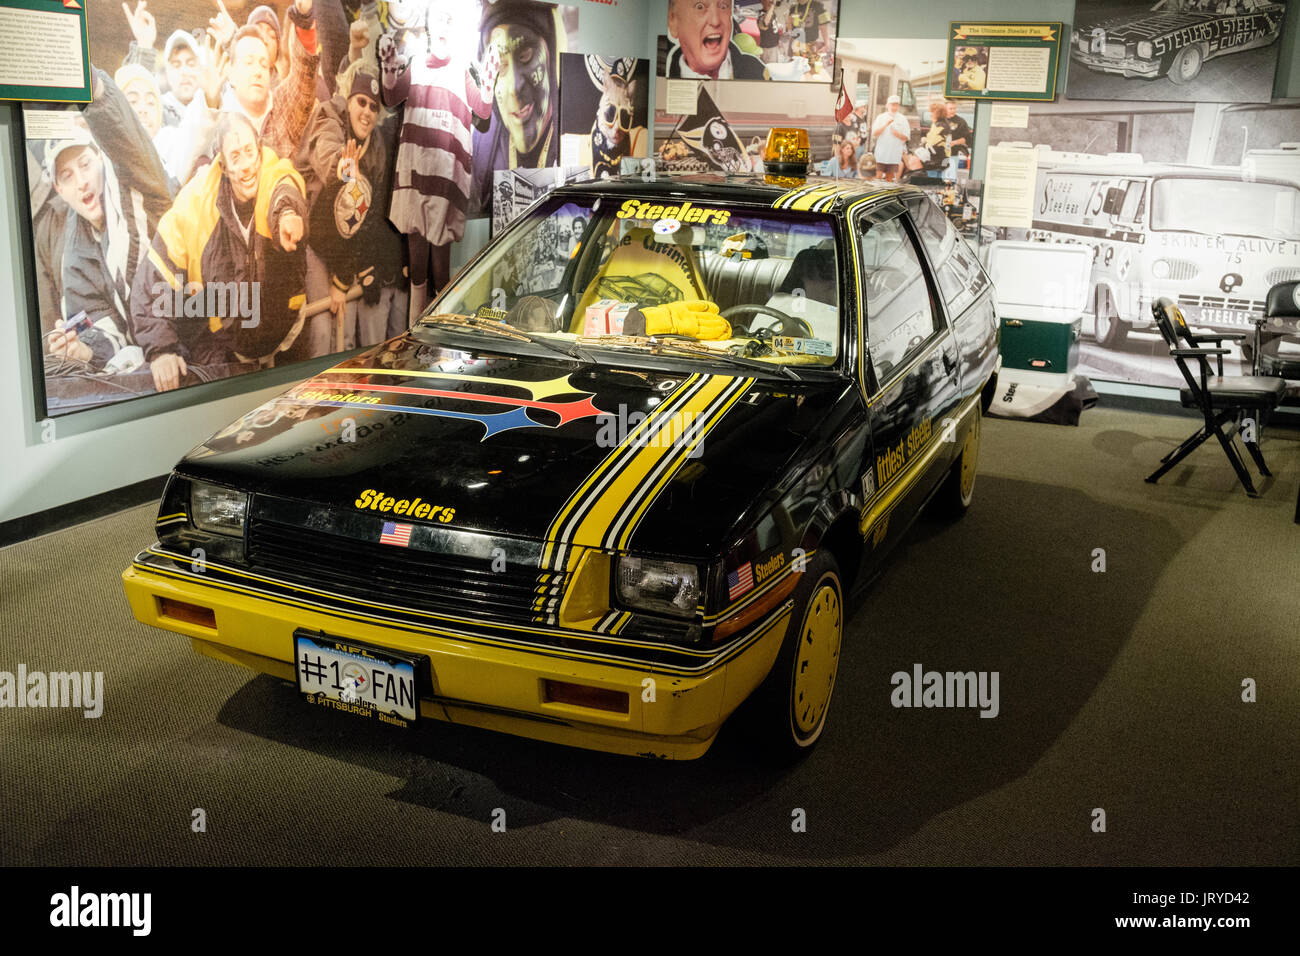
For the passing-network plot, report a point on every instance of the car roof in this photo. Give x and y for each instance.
(1161, 171)
(813, 194)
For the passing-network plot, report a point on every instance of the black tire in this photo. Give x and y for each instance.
(785, 719)
(1109, 329)
(1187, 65)
(954, 498)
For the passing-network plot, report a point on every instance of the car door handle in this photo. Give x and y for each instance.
(949, 362)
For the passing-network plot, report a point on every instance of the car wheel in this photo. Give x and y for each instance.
(790, 707)
(958, 489)
(1110, 330)
(1187, 64)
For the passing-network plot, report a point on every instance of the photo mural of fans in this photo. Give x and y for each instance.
(523, 130)
(894, 123)
(604, 111)
(171, 214)
(1183, 50)
(258, 184)
(752, 40)
(1197, 202)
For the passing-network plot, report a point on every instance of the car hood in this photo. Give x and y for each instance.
(538, 447)
(1128, 29)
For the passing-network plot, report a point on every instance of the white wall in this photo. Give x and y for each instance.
(108, 448)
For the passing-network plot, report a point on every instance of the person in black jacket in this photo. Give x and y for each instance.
(109, 175)
(344, 162)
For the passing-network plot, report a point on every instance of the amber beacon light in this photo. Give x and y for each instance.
(786, 153)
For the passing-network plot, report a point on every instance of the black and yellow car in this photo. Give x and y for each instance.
(563, 513)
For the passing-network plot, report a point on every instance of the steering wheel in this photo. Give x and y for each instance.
(885, 279)
(790, 325)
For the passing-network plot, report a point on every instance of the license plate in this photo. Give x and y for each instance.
(1219, 317)
(358, 678)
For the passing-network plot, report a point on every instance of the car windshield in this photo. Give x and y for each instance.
(701, 281)
(1226, 207)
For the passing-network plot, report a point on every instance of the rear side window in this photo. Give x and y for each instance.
(900, 319)
(956, 267)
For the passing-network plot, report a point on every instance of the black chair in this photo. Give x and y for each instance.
(1220, 398)
(1281, 319)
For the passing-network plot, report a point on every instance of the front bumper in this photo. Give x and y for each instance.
(1129, 66)
(479, 678)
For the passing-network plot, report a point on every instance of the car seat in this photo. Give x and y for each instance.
(667, 265)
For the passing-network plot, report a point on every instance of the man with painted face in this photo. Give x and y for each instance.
(239, 223)
(524, 131)
(704, 49)
(344, 162)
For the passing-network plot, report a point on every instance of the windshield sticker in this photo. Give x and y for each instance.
(687, 212)
(785, 343)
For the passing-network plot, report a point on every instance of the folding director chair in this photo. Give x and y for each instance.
(1220, 398)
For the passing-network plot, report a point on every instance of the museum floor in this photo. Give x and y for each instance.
(1119, 690)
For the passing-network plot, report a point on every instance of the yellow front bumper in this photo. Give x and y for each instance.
(482, 684)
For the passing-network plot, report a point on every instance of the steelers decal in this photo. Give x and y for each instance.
(351, 204)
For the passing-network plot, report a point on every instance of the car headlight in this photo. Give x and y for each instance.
(665, 587)
(1160, 268)
(218, 510)
(1145, 50)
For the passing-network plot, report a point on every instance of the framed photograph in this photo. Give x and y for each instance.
(604, 111)
(1003, 61)
(1193, 51)
(1197, 202)
(784, 40)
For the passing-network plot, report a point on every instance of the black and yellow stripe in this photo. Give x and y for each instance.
(605, 509)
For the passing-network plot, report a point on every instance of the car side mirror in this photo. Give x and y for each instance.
(1114, 201)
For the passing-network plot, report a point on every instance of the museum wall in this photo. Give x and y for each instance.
(51, 462)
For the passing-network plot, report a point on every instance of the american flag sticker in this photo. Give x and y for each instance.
(740, 580)
(398, 534)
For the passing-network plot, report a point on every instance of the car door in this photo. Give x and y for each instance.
(910, 375)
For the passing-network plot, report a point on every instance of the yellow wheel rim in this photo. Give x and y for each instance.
(970, 455)
(817, 658)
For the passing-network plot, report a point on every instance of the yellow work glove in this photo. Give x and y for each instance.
(694, 317)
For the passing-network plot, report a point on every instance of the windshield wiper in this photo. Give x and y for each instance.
(657, 345)
(451, 320)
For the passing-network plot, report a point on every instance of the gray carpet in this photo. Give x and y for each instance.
(1118, 690)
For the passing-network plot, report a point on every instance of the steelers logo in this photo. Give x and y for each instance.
(351, 205)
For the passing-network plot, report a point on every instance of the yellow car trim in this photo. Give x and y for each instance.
(710, 657)
(495, 687)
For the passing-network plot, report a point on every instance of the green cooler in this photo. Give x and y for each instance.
(1042, 293)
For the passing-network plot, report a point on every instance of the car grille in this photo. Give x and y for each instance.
(1181, 270)
(1221, 302)
(406, 577)
(1281, 274)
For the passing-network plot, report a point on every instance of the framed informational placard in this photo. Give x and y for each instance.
(44, 54)
(1003, 61)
